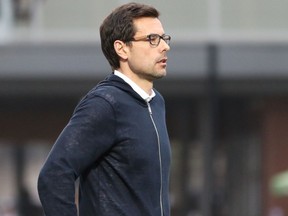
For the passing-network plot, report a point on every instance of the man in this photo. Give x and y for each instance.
(116, 141)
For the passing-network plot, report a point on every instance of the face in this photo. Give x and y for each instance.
(145, 61)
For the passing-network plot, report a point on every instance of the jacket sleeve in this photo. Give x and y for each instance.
(88, 135)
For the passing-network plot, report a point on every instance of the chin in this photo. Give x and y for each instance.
(160, 75)
(163, 73)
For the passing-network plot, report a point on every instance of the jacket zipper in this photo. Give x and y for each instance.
(160, 159)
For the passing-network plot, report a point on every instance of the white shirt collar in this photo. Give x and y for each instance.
(135, 87)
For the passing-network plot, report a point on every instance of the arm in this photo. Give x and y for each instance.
(87, 136)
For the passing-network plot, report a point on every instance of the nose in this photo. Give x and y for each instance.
(166, 46)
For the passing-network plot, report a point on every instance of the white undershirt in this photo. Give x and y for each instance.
(135, 87)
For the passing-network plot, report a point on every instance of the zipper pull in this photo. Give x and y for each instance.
(149, 108)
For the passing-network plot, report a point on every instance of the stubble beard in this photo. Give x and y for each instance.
(151, 76)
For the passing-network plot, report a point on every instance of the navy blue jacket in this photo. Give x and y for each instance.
(118, 146)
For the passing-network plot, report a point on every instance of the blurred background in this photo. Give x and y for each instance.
(226, 97)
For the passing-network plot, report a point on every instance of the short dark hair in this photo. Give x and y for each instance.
(119, 26)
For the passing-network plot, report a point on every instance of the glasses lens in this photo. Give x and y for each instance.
(166, 38)
(154, 39)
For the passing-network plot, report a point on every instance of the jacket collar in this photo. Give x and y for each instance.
(135, 87)
(113, 80)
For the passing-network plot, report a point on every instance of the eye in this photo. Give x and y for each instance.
(153, 38)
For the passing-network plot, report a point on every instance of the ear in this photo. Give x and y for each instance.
(121, 49)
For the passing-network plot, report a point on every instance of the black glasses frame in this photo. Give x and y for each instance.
(154, 39)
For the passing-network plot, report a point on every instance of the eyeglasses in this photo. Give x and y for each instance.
(154, 39)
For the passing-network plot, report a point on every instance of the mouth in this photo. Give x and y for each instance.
(163, 60)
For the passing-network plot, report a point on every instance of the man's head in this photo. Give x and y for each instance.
(119, 25)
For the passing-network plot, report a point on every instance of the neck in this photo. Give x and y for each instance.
(143, 83)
